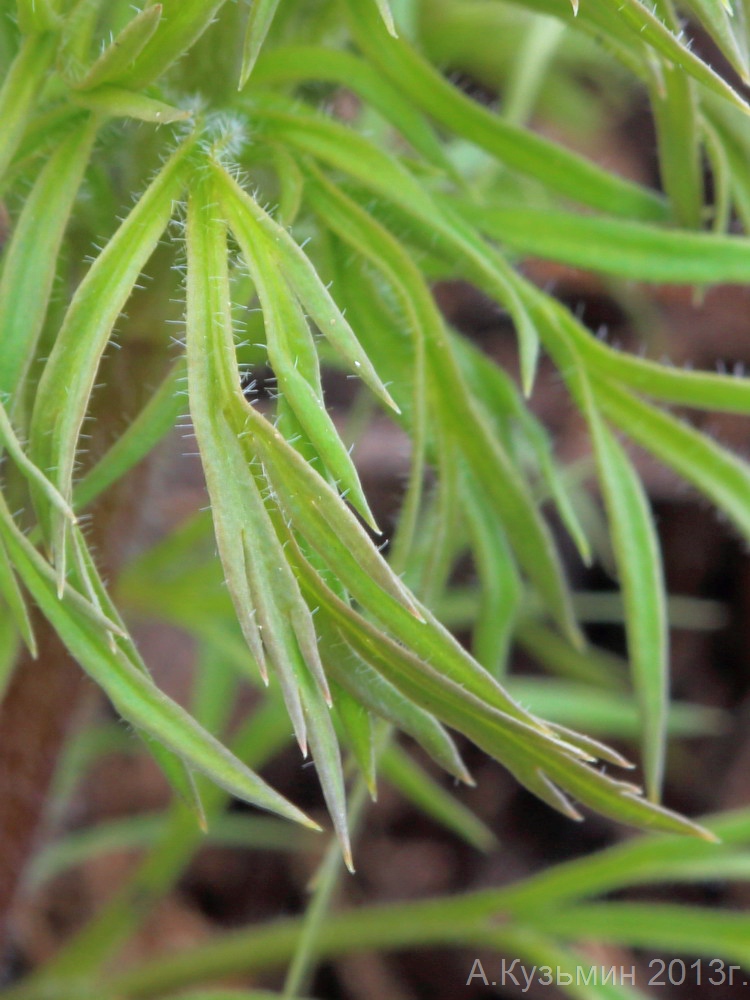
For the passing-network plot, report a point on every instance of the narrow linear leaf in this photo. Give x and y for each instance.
(704, 390)
(618, 247)
(693, 930)
(266, 594)
(123, 50)
(427, 647)
(211, 358)
(77, 37)
(304, 280)
(318, 513)
(609, 714)
(30, 258)
(11, 594)
(23, 82)
(523, 747)
(117, 102)
(327, 757)
(94, 310)
(372, 690)
(144, 830)
(596, 667)
(651, 29)
(181, 25)
(713, 470)
(154, 421)
(85, 577)
(258, 22)
(134, 694)
(720, 20)
(385, 12)
(675, 108)
(357, 726)
(293, 357)
(642, 580)
(31, 473)
(480, 448)
(501, 588)
(521, 150)
(291, 63)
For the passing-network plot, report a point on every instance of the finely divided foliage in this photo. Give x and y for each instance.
(263, 195)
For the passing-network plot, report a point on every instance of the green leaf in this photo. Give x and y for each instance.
(519, 741)
(14, 600)
(292, 354)
(325, 752)
(271, 611)
(154, 421)
(501, 588)
(117, 102)
(618, 247)
(372, 690)
(638, 560)
(259, 21)
(88, 324)
(303, 279)
(143, 831)
(134, 695)
(481, 450)
(558, 169)
(31, 257)
(594, 666)
(181, 25)
(123, 50)
(307, 62)
(21, 85)
(728, 29)
(713, 470)
(675, 108)
(320, 516)
(12, 445)
(387, 15)
(356, 723)
(704, 390)
(649, 28)
(36, 15)
(77, 37)
(642, 580)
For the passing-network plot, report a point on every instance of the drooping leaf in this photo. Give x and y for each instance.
(131, 691)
